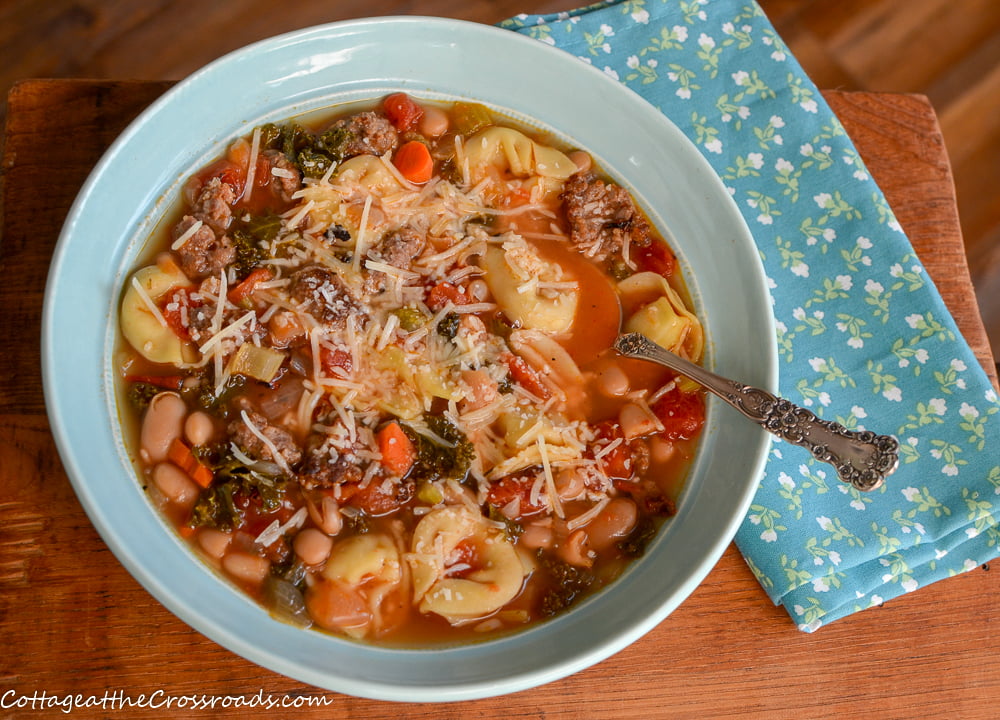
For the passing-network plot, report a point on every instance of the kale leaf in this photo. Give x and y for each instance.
(248, 237)
(568, 583)
(218, 505)
(140, 394)
(441, 462)
(635, 544)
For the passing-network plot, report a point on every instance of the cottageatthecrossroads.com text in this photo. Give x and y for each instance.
(156, 700)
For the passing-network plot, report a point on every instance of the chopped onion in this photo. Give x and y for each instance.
(260, 363)
(286, 602)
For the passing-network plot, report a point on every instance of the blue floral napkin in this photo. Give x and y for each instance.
(862, 333)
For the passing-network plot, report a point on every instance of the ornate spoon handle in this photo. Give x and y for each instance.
(862, 458)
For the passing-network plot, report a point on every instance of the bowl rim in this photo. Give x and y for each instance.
(63, 407)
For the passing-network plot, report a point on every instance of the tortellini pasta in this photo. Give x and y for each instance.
(522, 301)
(367, 567)
(143, 330)
(363, 172)
(665, 320)
(368, 172)
(509, 150)
(489, 578)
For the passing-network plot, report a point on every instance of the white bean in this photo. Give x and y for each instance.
(313, 546)
(635, 421)
(613, 523)
(214, 542)
(536, 536)
(661, 450)
(433, 123)
(478, 290)
(199, 428)
(482, 389)
(612, 380)
(582, 160)
(326, 515)
(175, 484)
(576, 549)
(246, 567)
(163, 423)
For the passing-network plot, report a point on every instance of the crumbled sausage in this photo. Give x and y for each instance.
(371, 134)
(601, 216)
(397, 248)
(214, 205)
(640, 456)
(204, 253)
(288, 179)
(199, 322)
(325, 466)
(256, 448)
(321, 293)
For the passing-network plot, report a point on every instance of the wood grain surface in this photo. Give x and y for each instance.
(73, 621)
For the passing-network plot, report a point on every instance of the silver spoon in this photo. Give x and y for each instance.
(861, 458)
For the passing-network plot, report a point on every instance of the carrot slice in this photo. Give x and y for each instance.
(398, 452)
(202, 475)
(181, 456)
(414, 162)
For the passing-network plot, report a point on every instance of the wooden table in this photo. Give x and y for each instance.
(72, 620)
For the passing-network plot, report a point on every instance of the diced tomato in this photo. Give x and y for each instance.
(373, 500)
(174, 306)
(256, 519)
(656, 257)
(682, 414)
(402, 111)
(331, 360)
(443, 293)
(617, 463)
(262, 172)
(525, 375)
(227, 171)
(463, 555)
(503, 491)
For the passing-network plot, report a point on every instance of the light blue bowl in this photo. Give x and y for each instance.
(143, 172)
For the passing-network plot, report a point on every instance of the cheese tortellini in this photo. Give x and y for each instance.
(150, 335)
(512, 151)
(514, 286)
(463, 567)
(367, 172)
(363, 581)
(665, 320)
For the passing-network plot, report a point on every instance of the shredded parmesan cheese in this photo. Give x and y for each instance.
(550, 484)
(252, 165)
(359, 243)
(585, 517)
(228, 331)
